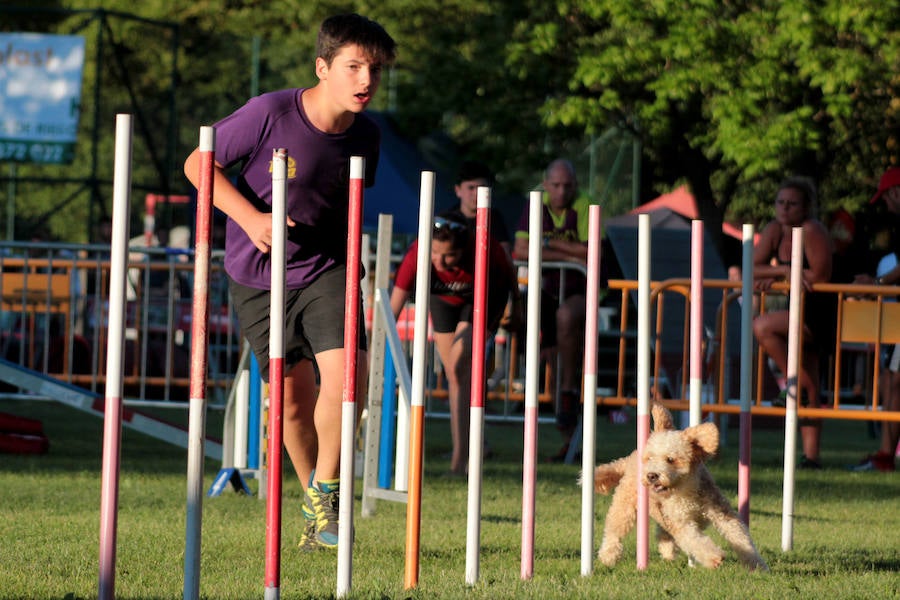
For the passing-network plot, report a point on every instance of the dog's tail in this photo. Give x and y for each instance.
(607, 476)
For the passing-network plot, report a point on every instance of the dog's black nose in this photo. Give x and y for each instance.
(652, 477)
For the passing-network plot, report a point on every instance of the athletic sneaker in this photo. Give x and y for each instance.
(308, 540)
(876, 462)
(323, 502)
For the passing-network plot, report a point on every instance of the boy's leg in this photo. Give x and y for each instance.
(323, 496)
(300, 437)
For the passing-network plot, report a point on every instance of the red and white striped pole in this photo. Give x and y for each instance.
(417, 400)
(696, 323)
(793, 390)
(115, 347)
(532, 382)
(199, 363)
(643, 385)
(746, 375)
(351, 363)
(589, 420)
(276, 376)
(476, 406)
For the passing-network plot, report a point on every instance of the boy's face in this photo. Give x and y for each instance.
(352, 79)
(467, 192)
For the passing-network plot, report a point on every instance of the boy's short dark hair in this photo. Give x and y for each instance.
(472, 169)
(342, 30)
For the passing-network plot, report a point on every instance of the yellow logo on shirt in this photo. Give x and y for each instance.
(291, 167)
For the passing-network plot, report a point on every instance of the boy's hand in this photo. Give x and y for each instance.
(259, 229)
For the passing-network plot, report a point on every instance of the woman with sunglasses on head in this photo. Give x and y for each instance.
(451, 302)
(795, 205)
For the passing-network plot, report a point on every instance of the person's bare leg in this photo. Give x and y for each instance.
(890, 400)
(570, 340)
(298, 421)
(455, 350)
(810, 429)
(328, 409)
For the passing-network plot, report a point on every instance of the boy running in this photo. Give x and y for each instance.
(321, 127)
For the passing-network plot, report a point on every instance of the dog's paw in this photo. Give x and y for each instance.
(609, 554)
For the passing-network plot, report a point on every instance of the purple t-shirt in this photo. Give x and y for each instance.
(318, 170)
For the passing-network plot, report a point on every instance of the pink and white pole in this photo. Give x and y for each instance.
(276, 376)
(351, 376)
(532, 382)
(793, 390)
(746, 374)
(417, 400)
(696, 350)
(589, 420)
(476, 407)
(643, 385)
(199, 364)
(115, 347)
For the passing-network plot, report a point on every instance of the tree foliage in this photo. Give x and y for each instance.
(728, 96)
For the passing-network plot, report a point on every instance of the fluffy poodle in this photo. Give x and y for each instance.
(684, 499)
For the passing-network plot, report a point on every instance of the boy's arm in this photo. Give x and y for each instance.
(257, 225)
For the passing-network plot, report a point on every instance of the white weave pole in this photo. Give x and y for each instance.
(532, 382)
(696, 323)
(589, 420)
(643, 385)
(746, 374)
(115, 348)
(476, 397)
(199, 365)
(793, 390)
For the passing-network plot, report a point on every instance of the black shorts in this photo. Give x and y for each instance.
(313, 319)
(445, 316)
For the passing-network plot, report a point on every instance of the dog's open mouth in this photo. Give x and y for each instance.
(658, 488)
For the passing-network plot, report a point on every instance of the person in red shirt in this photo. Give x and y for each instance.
(451, 302)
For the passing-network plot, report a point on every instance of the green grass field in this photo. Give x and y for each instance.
(846, 530)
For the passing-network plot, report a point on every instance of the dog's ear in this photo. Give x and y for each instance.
(704, 439)
(662, 418)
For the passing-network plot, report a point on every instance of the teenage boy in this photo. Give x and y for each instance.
(321, 128)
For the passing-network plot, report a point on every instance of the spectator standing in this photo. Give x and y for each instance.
(470, 176)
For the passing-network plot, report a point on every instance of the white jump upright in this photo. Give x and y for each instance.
(589, 420)
(351, 376)
(643, 385)
(793, 389)
(746, 390)
(199, 364)
(532, 382)
(115, 348)
(476, 399)
(417, 401)
(276, 376)
(696, 323)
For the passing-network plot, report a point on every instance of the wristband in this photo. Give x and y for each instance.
(879, 281)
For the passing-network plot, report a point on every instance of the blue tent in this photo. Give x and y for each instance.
(397, 183)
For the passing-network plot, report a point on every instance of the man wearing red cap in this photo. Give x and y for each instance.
(883, 459)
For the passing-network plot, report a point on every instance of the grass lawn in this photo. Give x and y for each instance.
(846, 541)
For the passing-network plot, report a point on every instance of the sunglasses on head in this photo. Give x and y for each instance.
(442, 223)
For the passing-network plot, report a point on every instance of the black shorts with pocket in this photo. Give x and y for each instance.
(313, 319)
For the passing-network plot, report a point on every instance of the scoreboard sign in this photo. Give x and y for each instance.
(40, 96)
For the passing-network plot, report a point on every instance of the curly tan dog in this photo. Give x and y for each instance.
(684, 500)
